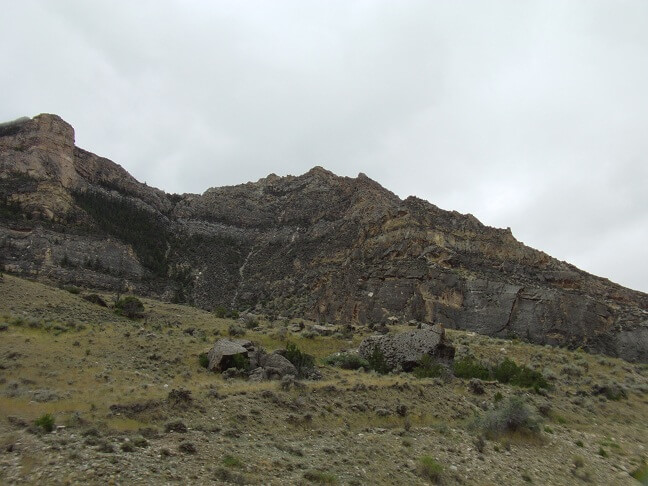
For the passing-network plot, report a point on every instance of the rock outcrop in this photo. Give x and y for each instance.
(404, 350)
(329, 248)
(228, 353)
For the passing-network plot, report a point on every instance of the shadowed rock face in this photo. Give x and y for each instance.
(317, 245)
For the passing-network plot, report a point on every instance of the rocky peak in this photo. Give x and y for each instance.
(52, 130)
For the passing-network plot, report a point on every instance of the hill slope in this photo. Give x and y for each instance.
(317, 245)
(109, 381)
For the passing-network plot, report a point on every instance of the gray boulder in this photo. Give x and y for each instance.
(225, 352)
(276, 366)
(404, 350)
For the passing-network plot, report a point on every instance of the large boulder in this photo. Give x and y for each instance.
(277, 366)
(271, 366)
(404, 350)
(226, 352)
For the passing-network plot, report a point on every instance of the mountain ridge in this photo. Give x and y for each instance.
(319, 245)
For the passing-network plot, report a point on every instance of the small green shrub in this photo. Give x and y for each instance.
(347, 361)
(430, 469)
(95, 299)
(232, 461)
(512, 415)
(238, 361)
(528, 378)
(45, 422)
(72, 289)
(470, 368)
(641, 473)
(203, 360)
(377, 362)
(602, 452)
(235, 330)
(223, 312)
(320, 477)
(505, 371)
(579, 443)
(300, 360)
(130, 307)
(427, 368)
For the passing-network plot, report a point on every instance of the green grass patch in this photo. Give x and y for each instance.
(429, 469)
(319, 477)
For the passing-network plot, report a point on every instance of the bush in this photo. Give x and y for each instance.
(239, 361)
(95, 299)
(72, 289)
(320, 477)
(641, 473)
(470, 368)
(232, 461)
(427, 368)
(347, 361)
(45, 422)
(223, 312)
(377, 361)
(505, 371)
(130, 307)
(235, 330)
(203, 360)
(512, 415)
(528, 378)
(302, 361)
(430, 469)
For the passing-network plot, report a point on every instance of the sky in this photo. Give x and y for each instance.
(529, 114)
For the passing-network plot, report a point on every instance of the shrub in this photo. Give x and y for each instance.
(45, 422)
(347, 361)
(641, 473)
(238, 361)
(95, 299)
(235, 330)
(528, 378)
(72, 289)
(470, 368)
(430, 469)
(377, 361)
(300, 360)
(203, 360)
(427, 368)
(130, 307)
(512, 415)
(320, 477)
(231, 461)
(505, 371)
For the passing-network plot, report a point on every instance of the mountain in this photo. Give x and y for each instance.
(317, 245)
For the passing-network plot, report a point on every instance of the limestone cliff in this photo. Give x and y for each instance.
(316, 245)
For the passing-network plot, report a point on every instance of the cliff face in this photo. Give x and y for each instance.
(316, 245)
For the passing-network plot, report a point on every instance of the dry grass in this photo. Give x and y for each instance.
(114, 360)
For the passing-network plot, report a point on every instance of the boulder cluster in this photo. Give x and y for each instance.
(241, 358)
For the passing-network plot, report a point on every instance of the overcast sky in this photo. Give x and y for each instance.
(527, 114)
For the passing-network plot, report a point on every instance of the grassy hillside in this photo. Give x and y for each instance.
(108, 383)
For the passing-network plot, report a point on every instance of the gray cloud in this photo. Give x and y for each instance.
(527, 114)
